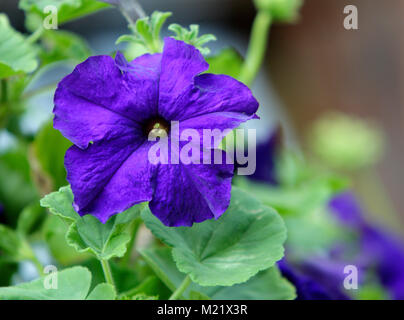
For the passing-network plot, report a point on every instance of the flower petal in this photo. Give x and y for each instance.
(110, 176)
(180, 63)
(214, 102)
(191, 193)
(98, 98)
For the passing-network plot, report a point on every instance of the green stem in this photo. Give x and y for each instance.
(36, 35)
(134, 228)
(38, 265)
(107, 272)
(180, 290)
(4, 91)
(257, 47)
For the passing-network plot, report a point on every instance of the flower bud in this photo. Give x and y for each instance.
(280, 10)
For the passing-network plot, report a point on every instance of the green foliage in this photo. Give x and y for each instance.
(30, 218)
(228, 61)
(63, 45)
(13, 246)
(49, 148)
(146, 32)
(248, 238)
(54, 233)
(192, 37)
(346, 142)
(266, 285)
(72, 284)
(67, 10)
(88, 234)
(104, 291)
(16, 188)
(17, 55)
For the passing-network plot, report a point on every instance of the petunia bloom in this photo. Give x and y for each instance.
(379, 249)
(267, 151)
(311, 286)
(108, 107)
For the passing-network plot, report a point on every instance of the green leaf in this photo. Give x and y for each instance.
(13, 246)
(60, 203)
(29, 218)
(142, 296)
(72, 284)
(195, 295)
(104, 291)
(191, 36)
(266, 285)
(228, 61)
(88, 234)
(63, 45)
(49, 148)
(54, 232)
(151, 287)
(146, 32)
(248, 238)
(16, 188)
(161, 262)
(66, 9)
(16, 54)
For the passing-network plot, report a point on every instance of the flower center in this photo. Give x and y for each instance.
(156, 127)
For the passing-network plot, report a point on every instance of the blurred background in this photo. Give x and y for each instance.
(336, 93)
(314, 66)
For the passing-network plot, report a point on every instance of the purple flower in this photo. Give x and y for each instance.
(107, 109)
(266, 157)
(2, 216)
(311, 285)
(378, 248)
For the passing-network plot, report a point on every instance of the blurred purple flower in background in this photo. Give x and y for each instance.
(310, 286)
(2, 216)
(266, 153)
(379, 249)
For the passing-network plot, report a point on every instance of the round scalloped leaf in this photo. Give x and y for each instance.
(248, 238)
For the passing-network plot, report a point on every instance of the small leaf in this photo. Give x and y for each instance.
(17, 55)
(72, 284)
(66, 9)
(128, 38)
(248, 238)
(29, 218)
(228, 61)
(146, 32)
(157, 21)
(87, 233)
(191, 36)
(103, 291)
(13, 246)
(60, 203)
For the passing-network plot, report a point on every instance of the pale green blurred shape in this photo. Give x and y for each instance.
(346, 142)
(280, 10)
